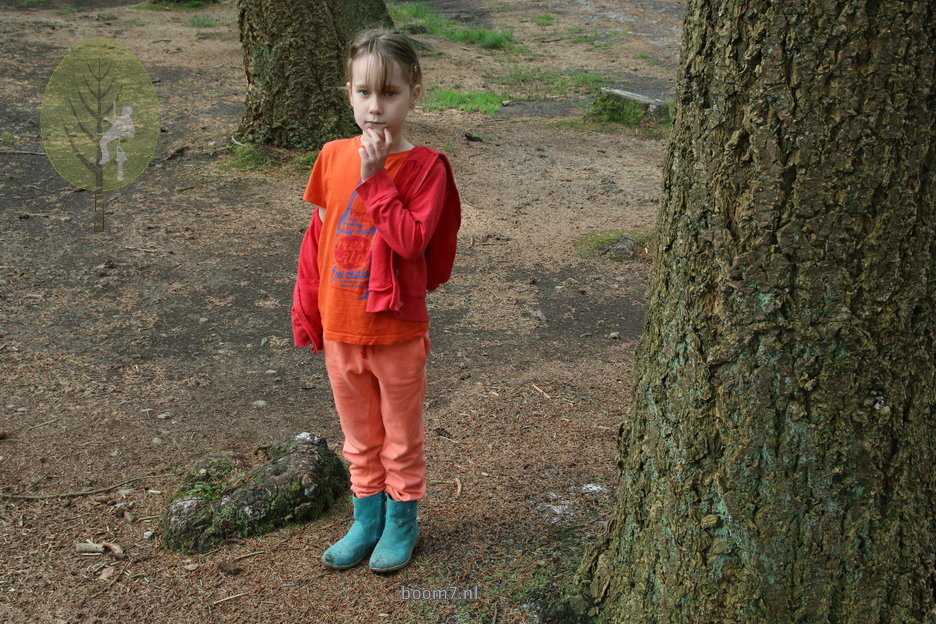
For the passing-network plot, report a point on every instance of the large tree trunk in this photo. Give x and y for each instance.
(294, 56)
(778, 461)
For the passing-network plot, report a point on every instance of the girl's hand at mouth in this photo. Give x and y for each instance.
(374, 149)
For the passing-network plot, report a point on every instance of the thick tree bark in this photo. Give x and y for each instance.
(777, 464)
(294, 56)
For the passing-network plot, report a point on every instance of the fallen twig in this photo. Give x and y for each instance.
(22, 152)
(217, 602)
(541, 391)
(456, 483)
(85, 493)
(259, 552)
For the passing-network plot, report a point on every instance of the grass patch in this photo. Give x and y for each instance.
(6, 137)
(417, 17)
(607, 107)
(596, 244)
(533, 81)
(583, 124)
(544, 20)
(306, 161)
(171, 5)
(202, 21)
(649, 59)
(441, 99)
(248, 157)
(107, 17)
(67, 10)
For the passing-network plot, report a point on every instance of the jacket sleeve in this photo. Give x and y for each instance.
(407, 228)
(306, 318)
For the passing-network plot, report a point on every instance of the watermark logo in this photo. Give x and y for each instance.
(100, 118)
(440, 593)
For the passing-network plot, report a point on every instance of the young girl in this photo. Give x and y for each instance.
(383, 234)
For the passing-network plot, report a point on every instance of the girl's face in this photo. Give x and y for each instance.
(378, 106)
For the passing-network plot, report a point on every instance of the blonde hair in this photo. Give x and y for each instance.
(387, 47)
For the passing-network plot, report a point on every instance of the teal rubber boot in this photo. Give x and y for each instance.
(350, 550)
(401, 530)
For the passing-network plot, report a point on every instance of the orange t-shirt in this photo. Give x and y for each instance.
(344, 251)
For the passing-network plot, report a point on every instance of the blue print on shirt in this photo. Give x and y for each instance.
(352, 249)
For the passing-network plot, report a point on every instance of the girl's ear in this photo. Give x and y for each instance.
(348, 87)
(414, 95)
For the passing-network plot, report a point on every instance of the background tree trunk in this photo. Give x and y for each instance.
(294, 56)
(778, 461)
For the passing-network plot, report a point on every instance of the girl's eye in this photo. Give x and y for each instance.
(390, 93)
(363, 92)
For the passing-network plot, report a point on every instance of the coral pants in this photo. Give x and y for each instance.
(379, 392)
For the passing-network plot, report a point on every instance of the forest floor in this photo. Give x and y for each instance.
(137, 350)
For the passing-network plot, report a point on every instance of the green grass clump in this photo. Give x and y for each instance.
(201, 21)
(597, 244)
(107, 17)
(247, 157)
(305, 162)
(169, 5)
(629, 113)
(617, 110)
(418, 15)
(535, 81)
(441, 99)
(544, 20)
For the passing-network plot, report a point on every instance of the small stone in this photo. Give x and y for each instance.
(614, 335)
(259, 403)
(203, 319)
(270, 372)
(148, 534)
(22, 410)
(623, 249)
(163, 416)
(125, 491)
(157, 441)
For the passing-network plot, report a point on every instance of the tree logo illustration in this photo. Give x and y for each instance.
(100, 118)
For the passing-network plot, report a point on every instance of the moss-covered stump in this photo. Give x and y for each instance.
(219, 500)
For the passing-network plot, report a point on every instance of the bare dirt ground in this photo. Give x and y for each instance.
(137, 350)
